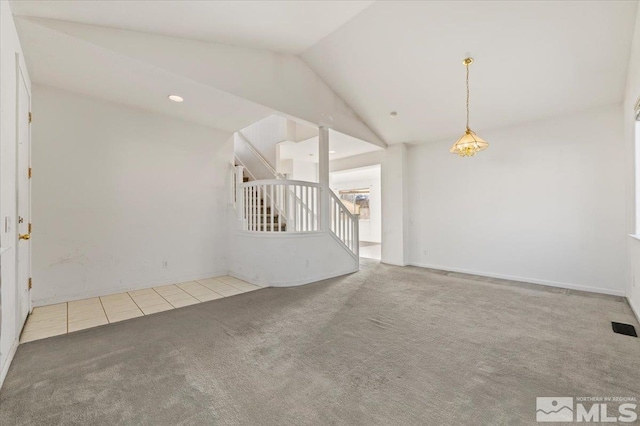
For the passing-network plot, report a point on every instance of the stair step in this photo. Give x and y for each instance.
(261, 210)
(276, 228)
(261, 219)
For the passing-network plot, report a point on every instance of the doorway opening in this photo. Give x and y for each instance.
(359, 190)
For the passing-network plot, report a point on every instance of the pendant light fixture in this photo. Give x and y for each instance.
(469, 143)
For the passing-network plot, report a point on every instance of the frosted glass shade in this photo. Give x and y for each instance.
(468, 144)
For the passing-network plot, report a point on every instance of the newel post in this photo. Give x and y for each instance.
(323, 177)
(239, 194)
(356, 235)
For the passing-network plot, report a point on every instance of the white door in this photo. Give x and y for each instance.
(24, 198)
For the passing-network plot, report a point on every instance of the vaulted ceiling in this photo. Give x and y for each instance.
(534, 60)
(227, 87)
(283, 26)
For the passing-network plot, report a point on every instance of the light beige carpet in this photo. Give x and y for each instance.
(385, 346)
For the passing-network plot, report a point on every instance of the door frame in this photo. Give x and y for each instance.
(22, 79)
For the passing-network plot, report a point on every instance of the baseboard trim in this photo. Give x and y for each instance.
(635, 310)
(386, 262)
(7, 363)
(122, 289)
(524, 280)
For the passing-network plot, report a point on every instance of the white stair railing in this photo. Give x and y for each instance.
(279, 206)
(344, 224)
(291, 206)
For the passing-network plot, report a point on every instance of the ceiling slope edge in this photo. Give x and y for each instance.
(279, 81)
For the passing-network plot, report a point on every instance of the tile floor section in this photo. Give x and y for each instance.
(53, 320)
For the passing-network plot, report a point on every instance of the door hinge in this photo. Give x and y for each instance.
(29, 172)
(30, 228)
(30, 117)
(30, 283)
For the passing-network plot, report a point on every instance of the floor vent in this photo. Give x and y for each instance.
(626, 329)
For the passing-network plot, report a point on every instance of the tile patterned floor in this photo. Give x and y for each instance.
(53, 320)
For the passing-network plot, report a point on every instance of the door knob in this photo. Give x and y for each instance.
(24, 237)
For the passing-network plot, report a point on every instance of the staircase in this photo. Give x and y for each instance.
(268, 222)
(266, 202)
(288, 232)
(261, 213)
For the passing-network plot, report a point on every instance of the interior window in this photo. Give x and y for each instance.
(356, 201)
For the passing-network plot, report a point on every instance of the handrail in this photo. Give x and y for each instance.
(280, 182)
(293, 206)
(346, 210)
(344, 225)
(255, 152)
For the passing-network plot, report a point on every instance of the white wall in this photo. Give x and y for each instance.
(304, 170)
(265, 134)
(367, 177)
(395, 208)
(117, 192)
(357, 161)
(632, 94)
(9, 319)
(298, 169)
(545, 204)
(246, 157)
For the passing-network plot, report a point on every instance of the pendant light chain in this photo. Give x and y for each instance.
(467, 66)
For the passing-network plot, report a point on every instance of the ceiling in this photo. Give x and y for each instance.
(58, 60)
(284, 26)
(343, 145)
(227, 87)
(534, 60)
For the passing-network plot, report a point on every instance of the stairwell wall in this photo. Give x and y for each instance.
(288, 259)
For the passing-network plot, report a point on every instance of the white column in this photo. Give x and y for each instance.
(395, 206)
(323, 178)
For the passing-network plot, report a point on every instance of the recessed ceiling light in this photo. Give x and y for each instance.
(176, 98)
(394, 113)
(332, 152)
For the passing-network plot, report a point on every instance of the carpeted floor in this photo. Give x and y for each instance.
(385, 346)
